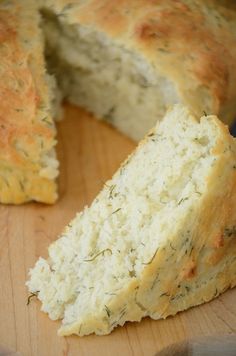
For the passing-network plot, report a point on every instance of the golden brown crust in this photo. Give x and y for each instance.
(206, 268)
(26, 128)
(194, 37)
(191, 42)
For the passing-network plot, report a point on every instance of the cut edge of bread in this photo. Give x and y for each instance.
(201, 269)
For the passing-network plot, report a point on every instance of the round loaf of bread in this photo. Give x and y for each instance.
(125, 61)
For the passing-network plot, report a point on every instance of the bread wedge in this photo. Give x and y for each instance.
(158, 239)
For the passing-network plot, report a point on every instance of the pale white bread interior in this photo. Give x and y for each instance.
(115, 84)
(158, 239)
(127, 63)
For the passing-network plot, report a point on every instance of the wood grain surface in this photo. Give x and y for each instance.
(221, 345)
(89, 152)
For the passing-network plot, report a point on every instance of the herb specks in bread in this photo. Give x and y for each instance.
(152, 249)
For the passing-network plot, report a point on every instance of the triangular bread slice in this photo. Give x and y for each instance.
(158, 239)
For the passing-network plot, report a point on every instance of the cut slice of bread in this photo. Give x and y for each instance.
(159, 238)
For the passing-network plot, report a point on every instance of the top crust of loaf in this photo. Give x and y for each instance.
(195, 37)
(26, 128)
(177, 37)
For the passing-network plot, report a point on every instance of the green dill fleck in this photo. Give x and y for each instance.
(185, 241)
(46, 120)
(31, 296)
(156, 279)
(24, 152)
(176, 296)
(98, 254)
(111, 191)
(165, 294)
(228, 232)
(109, 115)
(122, 313)
(172, 247)
(204, 112)
(163, 50)
(182, 200)
(104, 183)
(132, 274)
(108, 311)
(22, 185)
(116, 211)
(148, 263)
(140, 306)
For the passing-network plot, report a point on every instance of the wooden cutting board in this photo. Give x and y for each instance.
(89, 152)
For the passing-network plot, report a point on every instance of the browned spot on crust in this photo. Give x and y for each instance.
(184, 32)
(218, 241)
(170, 24)
(189, 271)
(6, 30)
(108, 13)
